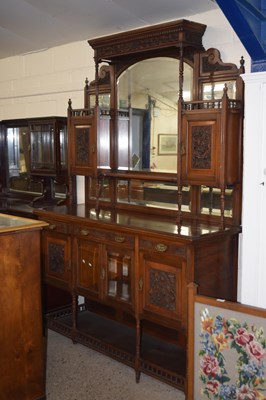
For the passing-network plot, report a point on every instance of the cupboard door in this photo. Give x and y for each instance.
(83, 147)
(88, 268)
(57, 257)
(119, 272)
(162, 285)
(201, 148)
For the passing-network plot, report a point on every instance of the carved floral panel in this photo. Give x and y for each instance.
(201, 147)
(163, 289)
(56, 258)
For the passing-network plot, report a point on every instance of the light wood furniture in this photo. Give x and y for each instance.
(22, 366)
(130, 251)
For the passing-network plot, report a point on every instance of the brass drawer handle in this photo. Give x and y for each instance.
(161, 247)
(52, 227)
(84, 232)
(120, 239)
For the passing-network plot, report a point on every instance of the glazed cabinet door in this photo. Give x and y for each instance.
(118, 269)
(162, 283)
(57, 259)
(88, 273)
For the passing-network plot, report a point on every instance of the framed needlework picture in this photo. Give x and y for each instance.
(226, 350)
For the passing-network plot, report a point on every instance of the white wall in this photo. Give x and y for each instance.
(252, 277)
(40, 83)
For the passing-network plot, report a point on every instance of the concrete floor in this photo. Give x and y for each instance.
(75, 372)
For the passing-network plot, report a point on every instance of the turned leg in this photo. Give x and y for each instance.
(138, 347)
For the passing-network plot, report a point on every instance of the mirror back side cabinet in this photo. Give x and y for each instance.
(159, 144)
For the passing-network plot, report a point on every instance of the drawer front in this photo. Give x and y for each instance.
(162, 247)
(57, 226)
(104, 236)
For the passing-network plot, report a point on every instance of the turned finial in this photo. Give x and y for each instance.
(242, 64)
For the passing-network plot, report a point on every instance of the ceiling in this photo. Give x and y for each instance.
(32, 25)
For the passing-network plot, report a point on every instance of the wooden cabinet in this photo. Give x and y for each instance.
(162, 172)
(211, 141)
(48, 147)
(22, 366)
(134, 282)
(34, 160)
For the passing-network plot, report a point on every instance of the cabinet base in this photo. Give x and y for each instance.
(159, 359)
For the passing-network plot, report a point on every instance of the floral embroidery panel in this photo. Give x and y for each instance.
(232, 358)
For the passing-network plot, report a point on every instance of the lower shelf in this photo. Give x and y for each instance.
(159, 359)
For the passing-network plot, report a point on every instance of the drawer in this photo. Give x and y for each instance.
(162, 247)
(57, 226)
(104, 235)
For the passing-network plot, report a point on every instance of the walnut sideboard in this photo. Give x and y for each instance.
(132, 272)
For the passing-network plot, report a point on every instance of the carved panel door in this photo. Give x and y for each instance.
(201, 148)
(83, 146)
(57, 259)
(162, 284)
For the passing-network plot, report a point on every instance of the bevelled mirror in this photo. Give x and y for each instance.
(147, 98)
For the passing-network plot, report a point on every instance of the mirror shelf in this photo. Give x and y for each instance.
(163, 115)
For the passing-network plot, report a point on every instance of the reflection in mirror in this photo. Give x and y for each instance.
(42, 147)
(63, 147)
(147, 96)
(152, 194)
(99, 189)
(59, 191)
(18, 142)
(210, 201)
(103, 99)
(215, 90)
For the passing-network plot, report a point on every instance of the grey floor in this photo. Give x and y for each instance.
(75, 372)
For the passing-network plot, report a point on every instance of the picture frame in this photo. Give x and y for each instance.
(167, 144)
(226, 352)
